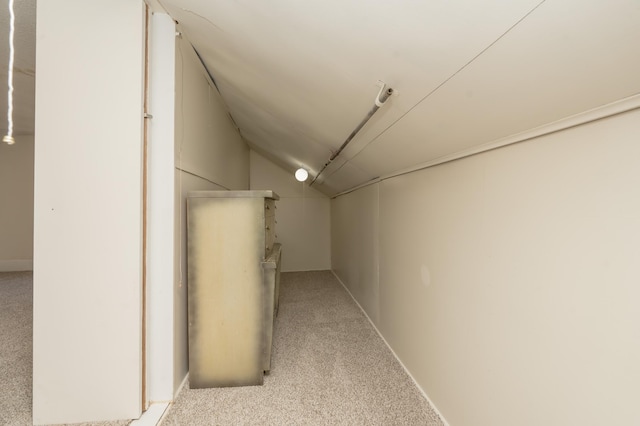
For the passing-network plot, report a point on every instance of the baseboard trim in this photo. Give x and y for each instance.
(392, 351)
(166, 411)
(16, 265)
(182, 385)
(306, 270)
(152, 416)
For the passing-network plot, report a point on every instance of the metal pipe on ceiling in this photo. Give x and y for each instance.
(381, 98)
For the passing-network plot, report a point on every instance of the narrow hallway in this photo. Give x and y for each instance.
(329, 367)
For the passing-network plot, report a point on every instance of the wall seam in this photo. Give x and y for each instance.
(202, 177)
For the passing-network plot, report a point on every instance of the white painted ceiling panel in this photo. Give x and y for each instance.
(260, 124)
(565, 58)
(346, 176)
(298, 77)
(314, 66)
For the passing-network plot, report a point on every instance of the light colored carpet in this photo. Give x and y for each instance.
(329, 367)
(16, 357)
(16, 325)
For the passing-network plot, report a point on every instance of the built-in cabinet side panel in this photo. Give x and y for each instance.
(226, 243)
(303, 216)
(355, 245)
(508, 280)
(271, 284)
(16, 214)
(88, 211)
(184, 182)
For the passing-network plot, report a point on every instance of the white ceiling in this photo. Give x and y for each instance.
(299, 76)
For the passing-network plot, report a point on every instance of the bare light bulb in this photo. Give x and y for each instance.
(301, 175)
(8, 139)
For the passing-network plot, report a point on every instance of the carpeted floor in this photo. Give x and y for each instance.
(329, 367)
(16, 330)
(16, 356)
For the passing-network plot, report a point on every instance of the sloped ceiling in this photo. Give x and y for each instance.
(299, 76)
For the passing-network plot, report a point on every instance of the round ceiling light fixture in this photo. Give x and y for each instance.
(301, 175)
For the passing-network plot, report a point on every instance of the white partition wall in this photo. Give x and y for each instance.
(88, 211)
(508, 281)
(160, 234)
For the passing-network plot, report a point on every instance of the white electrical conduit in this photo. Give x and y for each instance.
(381, 98)
(621, 106)
(9, 136)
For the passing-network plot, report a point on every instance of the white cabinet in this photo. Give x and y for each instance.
(233, 281)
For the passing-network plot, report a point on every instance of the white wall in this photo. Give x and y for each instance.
(303, 217)
(160, 210)
(355, 245)
(208, 144)
(508, 281)
(88, 211)
(210, 154)
(16, 213)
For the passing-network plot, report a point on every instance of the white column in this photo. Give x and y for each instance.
(88, 211)
(161, 161)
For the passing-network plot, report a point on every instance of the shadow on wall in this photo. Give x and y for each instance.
(16, 197)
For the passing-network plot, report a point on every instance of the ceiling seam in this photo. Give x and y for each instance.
(443, 83)
(210, 80)
(290, 127)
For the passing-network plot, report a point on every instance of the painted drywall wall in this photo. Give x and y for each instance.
(16, 213)
(88, 211)
(210, 154)
(355, 246)
(160, 210)
(208, 144)
(303, 216)
(508, 280)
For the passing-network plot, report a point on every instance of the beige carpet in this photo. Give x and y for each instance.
(16, 318)
(16, 358)
(329, 367)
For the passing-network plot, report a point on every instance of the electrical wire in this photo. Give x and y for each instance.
(12, 24)
(508, 30)
(381, 98)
